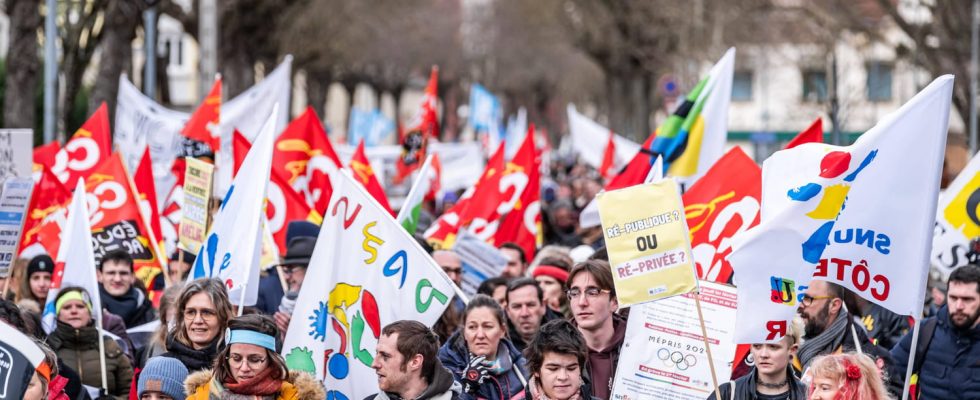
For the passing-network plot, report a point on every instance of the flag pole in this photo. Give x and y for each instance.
(98, 324)
(154, 244)
(707, 347)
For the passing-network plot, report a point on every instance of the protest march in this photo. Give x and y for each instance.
(264, 240)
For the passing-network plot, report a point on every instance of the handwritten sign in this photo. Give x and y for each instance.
(198, 183)
(16, 157)
(648, 242)
(13, 207)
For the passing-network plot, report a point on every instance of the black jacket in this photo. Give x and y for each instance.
(194, 360)
(951, 367)
(746, 386)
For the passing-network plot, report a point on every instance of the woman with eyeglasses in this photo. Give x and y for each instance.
(202, 315)
(480, 356)
(250, 367)
(76, 342)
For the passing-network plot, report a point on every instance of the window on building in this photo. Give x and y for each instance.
(815, 85)
(880, 81)
(742, 86)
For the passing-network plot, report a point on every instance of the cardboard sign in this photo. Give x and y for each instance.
(198, 183)
(648, 242)
(13, 207)
(16, 157)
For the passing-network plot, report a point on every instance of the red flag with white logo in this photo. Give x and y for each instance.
(86, 149)
(304, 156)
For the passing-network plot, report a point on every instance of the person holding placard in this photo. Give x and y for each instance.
(772, 377)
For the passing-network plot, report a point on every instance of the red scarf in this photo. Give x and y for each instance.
(262, 384)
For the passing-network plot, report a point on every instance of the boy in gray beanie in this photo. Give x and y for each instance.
(162, 378)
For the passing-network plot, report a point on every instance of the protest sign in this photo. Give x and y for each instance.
(664, 355)
(647, 239)
(196, 215)
(13, 206)
(15, 153)
(19, 357)
(481, 261)
(957, 221)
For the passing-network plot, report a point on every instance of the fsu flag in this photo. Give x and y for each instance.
(522, 225)
(283, 204)
(364, 174)
(86, 149)
(423, 126)
(203, 125)
(304, 156)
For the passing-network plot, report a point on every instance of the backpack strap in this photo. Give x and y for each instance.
(925, 338)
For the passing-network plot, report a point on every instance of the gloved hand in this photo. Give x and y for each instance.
(476, 372)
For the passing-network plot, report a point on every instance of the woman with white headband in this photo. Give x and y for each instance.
(249, 366)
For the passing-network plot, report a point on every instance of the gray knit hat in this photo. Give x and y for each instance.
(165, 375)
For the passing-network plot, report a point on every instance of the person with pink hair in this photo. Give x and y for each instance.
(848, 376)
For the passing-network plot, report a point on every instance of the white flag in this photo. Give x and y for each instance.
(75, 263)
(366, 272)
(956, 220)
(589, 140)
(232, 250)
(877, 244)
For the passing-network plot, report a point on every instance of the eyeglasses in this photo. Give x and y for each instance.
(591, 292)
(807, 300)
(254, 362)
(289, 269)
(206, 314)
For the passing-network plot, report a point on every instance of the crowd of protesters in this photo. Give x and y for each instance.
(546, 328)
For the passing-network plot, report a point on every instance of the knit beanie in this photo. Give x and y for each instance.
(165, 375)
(41, 263)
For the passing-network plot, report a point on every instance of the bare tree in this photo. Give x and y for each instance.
(23, 63)
(122, 18)
(80, 33)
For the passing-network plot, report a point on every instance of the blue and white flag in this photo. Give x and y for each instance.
(75, 261)
(485, 111)
(232, 250)
(372, 126)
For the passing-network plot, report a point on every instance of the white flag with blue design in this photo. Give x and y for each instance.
(859, 216)
(75, 262)
(232, 250)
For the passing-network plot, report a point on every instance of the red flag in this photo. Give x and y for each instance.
(812, 134)
(283, 204)
(86, 149)
(436, 184)
(486, 196)
(206, 118)
(45, 154)
(423, 126)
(147, 192)
(49, 195)
(637, 169)
(608, 157)
(305, 158)
(364, 174)
(523, 223)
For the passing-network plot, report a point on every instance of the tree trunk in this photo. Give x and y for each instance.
(317, 84)
(121, 19)
(450, 120)
(628, 92)
(23, 63)
(73, 68)
(237, 71)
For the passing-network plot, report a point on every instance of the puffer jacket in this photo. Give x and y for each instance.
(745, 387)
(297, 386)
(951, 368)
(443, 387)
(507, 385)
(79, 349)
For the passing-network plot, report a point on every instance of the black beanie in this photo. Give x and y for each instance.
(41, 263)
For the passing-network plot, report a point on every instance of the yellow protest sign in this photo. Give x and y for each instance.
(195, 213)
(648, 242)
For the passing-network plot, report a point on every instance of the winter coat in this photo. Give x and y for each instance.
(951, 367)
(442, 387)
(194, 360)
(508, 384)
(746, 386)
(79, 349)
(298, 385)
(270, 292)
(601, 364)
(515, 337)
(134, 307)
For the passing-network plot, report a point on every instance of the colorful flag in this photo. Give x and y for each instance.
(364, 174)
(386, 277)
(423, 126)
(231, 251)
(522, 223)
(203, 125)
(305, 157)
(411, 209)
(86, 149)
(75, 261)
(876, 244)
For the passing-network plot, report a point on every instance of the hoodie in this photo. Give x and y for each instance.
(601, 364)
(442, 387)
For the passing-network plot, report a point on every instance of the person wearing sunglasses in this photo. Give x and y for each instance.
(593, 301)
(203, 310)
(250, 367)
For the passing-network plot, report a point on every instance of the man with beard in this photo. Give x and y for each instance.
(408, 366)
(830, 329)
(947, 356)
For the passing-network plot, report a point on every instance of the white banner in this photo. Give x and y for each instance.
(365, 273)
(877, 244)
(589, 139)
(664, 356)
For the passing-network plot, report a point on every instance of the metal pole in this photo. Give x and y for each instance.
(150, 52)
(208, 39)
(834, 101)
(50, 70)
(974, 67)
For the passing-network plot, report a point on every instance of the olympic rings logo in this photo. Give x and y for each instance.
(676, 359)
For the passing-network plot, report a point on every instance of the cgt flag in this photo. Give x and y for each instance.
(386, 276)
(232, 249)
(305, 157)
(877, 244)
(86, 149)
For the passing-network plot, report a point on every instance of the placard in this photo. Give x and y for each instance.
(13, 207)
(16, 156)
(196, 215)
